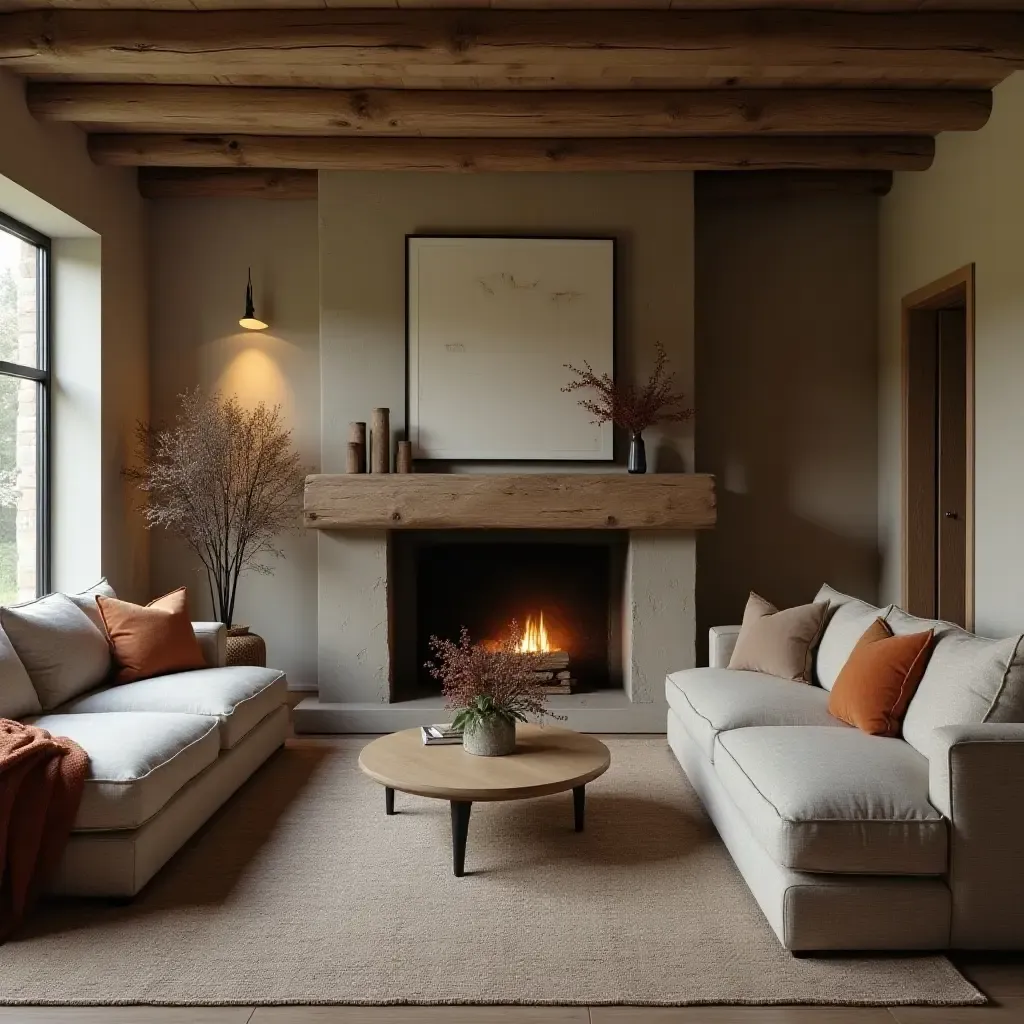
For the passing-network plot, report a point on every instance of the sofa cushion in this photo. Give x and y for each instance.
(62, 649)
(778, 643)
(713, 700)
(17, 694)
(239, 697)
(834, 800)
(137, 762)
(846, 621)
(151, 640)
(86, 600)
(969, 680)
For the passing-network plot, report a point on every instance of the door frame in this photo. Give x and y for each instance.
(947, 292)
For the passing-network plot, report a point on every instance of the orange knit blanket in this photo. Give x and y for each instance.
(41, 783)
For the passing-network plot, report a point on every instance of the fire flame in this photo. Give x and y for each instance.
(535, 637)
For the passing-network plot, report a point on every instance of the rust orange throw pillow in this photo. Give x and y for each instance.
(875, 685)
(151, 640)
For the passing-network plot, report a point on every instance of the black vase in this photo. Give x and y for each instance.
(637, 454)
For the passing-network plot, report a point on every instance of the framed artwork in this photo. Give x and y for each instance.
(491, 323)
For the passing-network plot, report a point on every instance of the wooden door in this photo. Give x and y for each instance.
(951, 466)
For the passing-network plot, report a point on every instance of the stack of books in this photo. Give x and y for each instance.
(440, 735)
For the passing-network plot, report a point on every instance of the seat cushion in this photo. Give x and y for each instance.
(239, 697)
(969, 680)
(137, 762)
(834, 800)
(63, 650)
(846, 621)
(713, 700)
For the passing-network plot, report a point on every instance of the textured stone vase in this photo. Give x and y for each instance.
(490, 737)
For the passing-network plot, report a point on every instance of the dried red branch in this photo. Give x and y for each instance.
(502, 672)
(635, 409)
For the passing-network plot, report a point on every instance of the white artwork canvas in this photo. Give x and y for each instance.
(491, 323)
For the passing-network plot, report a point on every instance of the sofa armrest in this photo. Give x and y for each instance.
(721, 642)
(213, 641)
(975, 778)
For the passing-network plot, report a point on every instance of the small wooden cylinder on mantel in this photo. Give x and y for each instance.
(356, 457)
(380, 441)
(403, 462)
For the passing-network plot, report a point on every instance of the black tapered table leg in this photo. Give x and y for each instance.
(389, 800)
(460, 829)
(579, 804)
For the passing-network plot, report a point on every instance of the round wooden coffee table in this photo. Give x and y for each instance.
(547, 760)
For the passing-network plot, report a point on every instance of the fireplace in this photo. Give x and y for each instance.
(564, 588)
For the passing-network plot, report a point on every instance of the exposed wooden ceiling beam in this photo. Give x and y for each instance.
(219, 183)
(691, 5)
(352, 46)
(597, 114)
(733, 185)
(910, 153)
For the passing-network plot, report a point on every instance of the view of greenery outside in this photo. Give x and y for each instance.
(9, 252)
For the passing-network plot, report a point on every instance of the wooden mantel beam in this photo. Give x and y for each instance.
(344, 45)
(595, 114)
(457, 501)
(766, 152)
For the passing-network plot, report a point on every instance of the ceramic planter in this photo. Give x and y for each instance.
(489, 737)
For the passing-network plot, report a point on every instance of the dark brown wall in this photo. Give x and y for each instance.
(786, 385)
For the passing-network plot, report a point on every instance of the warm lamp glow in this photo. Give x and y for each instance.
(249, 321)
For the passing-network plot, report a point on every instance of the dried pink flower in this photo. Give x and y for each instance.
(627, 406)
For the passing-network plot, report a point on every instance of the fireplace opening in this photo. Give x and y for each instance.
(565, 589)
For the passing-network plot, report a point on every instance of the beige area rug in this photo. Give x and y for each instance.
(302, 891)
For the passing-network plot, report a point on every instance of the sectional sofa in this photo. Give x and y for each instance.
(165, 753)
(852, 841)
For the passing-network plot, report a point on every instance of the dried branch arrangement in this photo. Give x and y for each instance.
(225, 480)
(635, 409)
(495, 681)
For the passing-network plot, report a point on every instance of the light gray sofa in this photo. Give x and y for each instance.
(164, 753)
(851, 841)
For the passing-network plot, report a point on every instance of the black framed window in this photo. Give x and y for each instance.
(24, 411)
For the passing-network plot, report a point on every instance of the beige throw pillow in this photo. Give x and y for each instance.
(778, 643)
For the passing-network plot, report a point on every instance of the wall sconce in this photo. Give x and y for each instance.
(249, 321)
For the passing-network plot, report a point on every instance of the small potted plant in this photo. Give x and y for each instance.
(632, 408)
(490, 688)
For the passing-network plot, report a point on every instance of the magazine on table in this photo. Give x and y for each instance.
(440, 735)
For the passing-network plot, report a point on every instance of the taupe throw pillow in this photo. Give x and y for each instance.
(778, 643)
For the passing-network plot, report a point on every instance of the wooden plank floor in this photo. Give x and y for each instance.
(1000, 977)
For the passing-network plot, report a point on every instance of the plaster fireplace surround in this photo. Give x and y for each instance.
(608, 558)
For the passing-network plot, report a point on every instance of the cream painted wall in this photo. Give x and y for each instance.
(51, 163)
(969, 207)
(199, 252)
(364, 221)
(787, 390)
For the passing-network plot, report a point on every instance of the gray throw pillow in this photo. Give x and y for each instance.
(62, 650)
(778, 643)
(86, 600)
(17, 695)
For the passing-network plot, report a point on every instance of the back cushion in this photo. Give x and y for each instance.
(63, 651)
(847, 620)
(17, 695)
(969, 680)
(86, 600)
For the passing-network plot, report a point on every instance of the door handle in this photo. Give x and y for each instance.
(951, 515)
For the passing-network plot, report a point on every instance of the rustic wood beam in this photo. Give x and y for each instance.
(444, 501)
(588, 114)
(337, 44)
(730, 186)
(218, 183)
(765, 152)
